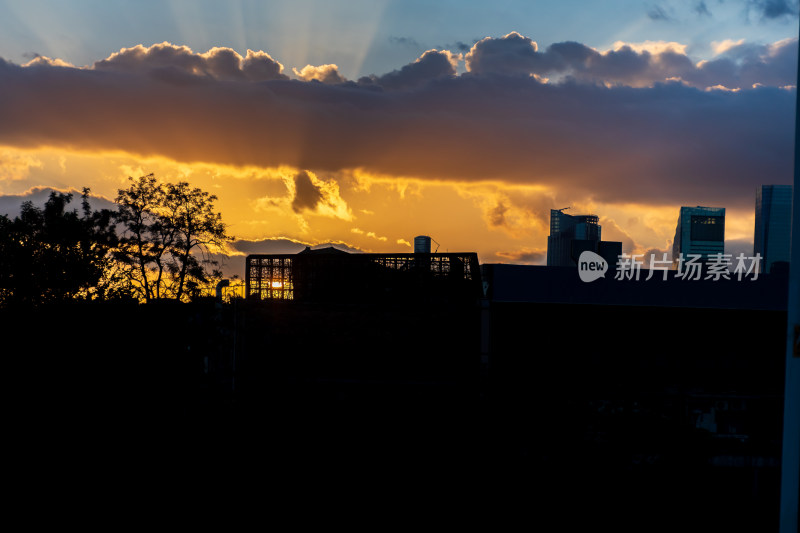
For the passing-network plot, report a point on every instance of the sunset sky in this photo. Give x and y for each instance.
(366, 123)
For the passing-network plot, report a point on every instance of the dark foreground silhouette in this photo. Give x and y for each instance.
(634, 417)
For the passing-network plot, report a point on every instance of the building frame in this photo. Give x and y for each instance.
(315, 275)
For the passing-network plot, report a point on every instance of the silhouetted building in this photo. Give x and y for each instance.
(700, 231)
(610, 251)
(571, 235)
(331, 275)
(773, 224)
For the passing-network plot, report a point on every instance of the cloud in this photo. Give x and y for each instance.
(652, 47)
(654, 257)
(497, 215)
(525, 256)
(318, 196)
(611, 231)
(511, 54)
(44, 60)
(701, 8)
(283, 245)
(739, 246)
(459, 46)
(375, 236)
(517, 211)
(268, 246)
(589, 133)
(10, 204)
(430, 65)
(738, 65)
(307, 195)
(371, 235)
(322, 73)
(658, 13)
(720, 47)
(259, 66)
(168, 60)
(743, 65)
(404, 41)
(15, 166)
(774, 9)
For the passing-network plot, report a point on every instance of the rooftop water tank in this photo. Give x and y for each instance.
(422, 244)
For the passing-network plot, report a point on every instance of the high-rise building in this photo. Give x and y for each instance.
(773, 224)
(568, 232)
(700, 231)
(572, 234)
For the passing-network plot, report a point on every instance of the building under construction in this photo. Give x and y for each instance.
(329, 275)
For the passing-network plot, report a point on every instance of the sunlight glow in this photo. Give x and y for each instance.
(653, 47)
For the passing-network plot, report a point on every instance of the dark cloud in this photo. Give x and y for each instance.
(404, 41)
(669, 143)
(307, 195)
(746, 65)
(701, 8)
(524, 256)
(268, 246)
(284, 246)
(458, 46)
(259, 66)
(659, 13)
(774, 9)
(611, 231)
(497, 216)
(654, 255)
(512, 54)
(430, 65)
(739, 67)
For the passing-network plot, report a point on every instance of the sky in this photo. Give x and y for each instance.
(366, 123)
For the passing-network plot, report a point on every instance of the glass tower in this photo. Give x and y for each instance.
(700, 231)
(569, 233)
(773, 224)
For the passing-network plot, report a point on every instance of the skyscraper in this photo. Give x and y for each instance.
(568, 231)
(572, 234)
(773, 224)
(700, 231)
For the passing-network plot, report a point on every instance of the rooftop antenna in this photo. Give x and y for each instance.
(564, 208)
(437, 245)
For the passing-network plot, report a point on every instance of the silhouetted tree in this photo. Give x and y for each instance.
(168, 233)
(54, 254)
(197, 228)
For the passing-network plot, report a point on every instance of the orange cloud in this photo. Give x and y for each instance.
(15, 166)
(502, 222)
